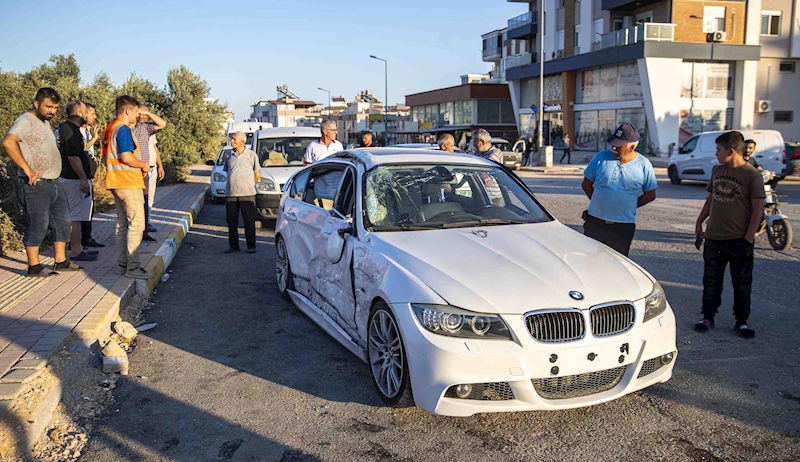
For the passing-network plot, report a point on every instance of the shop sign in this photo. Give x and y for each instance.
(552, 107)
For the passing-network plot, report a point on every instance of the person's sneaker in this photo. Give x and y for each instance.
(92, 252)
(704, 325)
(745, 330)
(148, 238)
(92, 243)
(138, 273)
(84, 256)
(120, 270)
(251, 250)
(151, 229)
(231, 250)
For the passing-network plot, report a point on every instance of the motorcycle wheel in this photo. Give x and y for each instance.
(780, 235)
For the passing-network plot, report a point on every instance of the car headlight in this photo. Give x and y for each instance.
(454, 322)
(265, 185)
(218, 177)
(655, 303)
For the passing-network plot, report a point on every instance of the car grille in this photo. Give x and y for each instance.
(493, 391)
(650, 366)
(611, 319)
(574, 386)
(556, 326)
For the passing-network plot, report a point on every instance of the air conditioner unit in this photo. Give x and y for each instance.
(763, 105)
(718, 36)
(559, 54)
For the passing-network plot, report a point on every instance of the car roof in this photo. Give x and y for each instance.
(279, 132)
(498, 140)
(372, 157)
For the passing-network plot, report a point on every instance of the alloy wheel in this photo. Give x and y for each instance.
(282, 266)
(386, 353)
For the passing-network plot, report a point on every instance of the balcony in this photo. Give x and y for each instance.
(646, 32)
(523, 26)
(576, 51)
(492, 54)
(522, 59)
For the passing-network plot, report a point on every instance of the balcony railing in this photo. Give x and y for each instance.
(522, 20)
(496, 51)
(576, 51)
(522, 59)
(648, 31)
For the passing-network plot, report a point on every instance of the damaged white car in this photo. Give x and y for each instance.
(460, 291)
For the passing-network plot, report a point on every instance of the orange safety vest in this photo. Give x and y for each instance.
(118, 174)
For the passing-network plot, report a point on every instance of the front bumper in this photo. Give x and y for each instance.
(267, 205)
(217, 189)
(437, 363)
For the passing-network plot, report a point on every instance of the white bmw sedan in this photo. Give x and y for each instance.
(460, 291)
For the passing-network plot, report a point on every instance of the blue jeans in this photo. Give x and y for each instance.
(44, 206)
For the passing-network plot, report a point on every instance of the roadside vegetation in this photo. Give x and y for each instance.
(192, 135)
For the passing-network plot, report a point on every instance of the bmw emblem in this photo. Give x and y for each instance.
(576, 295)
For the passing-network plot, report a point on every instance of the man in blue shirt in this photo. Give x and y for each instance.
(617, 182)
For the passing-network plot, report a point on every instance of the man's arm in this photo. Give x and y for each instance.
(256, 169)
(130, 160)
(646, 198)
(95, 132)
(756, 215)
(158, 163)
(698, 226)
(159, 122)
(588, 187)
(11, 145)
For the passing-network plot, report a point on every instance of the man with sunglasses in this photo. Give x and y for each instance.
(617, 182)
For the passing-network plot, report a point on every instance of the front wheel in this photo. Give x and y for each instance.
(283, 269)
(674, 178)
(387, 358)
(779, 234)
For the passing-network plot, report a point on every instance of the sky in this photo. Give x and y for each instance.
(244, 50)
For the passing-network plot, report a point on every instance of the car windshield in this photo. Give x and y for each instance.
(282, 152)
(416, 197)
(221, 155)
(502, 146)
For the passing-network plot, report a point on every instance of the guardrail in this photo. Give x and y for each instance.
(496, 51)
(649, 31)
(522, 59)
(522, 20)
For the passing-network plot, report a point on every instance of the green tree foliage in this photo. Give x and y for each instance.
(193, 126)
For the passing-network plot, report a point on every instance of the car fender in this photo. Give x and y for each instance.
(775, 217)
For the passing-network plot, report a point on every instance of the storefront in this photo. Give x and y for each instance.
(552, 124)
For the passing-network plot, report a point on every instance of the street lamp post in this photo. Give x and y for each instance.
(329, 99)
(540, 141)
(386, 95)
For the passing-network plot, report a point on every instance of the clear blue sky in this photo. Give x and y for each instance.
(245, 49)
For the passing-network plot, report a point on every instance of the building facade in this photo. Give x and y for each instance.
(671, 68)
(287, 112)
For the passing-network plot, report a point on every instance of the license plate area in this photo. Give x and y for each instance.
(559, 360)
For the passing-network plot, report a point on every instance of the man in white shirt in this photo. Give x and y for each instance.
(90, 134)
(325, 145)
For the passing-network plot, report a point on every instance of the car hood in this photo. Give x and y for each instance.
(515, 268)
(279, 175)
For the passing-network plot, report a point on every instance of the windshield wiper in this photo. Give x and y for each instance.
(485, 222)
(404, 228)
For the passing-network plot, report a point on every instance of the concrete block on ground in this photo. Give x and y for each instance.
(9, 390)
(31, 364)
(20, 376)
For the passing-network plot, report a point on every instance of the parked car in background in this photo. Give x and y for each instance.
(697, 157)
(792, 159)
(249, 129)
(218, 177)
(422, 264)
(280, 153)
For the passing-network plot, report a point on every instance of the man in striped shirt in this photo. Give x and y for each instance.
(145, 133)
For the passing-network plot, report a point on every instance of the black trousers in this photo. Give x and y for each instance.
(566, 154)
(247, 205)
(717, 255)
(618, 236)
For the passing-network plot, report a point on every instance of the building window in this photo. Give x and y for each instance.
(618, 23)
(713, 18)
(560, 3)
(784, 116)
(787, 66)
(770, 23)
(577, 38)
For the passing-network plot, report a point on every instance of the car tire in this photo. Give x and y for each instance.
(283, 269)
(674, 178)
(387, 357)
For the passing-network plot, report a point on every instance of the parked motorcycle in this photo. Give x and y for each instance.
(775, 224)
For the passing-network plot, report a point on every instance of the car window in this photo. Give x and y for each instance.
(689, 146)
(322, 186)
(345, 199)
(413, 197)
(298, 186)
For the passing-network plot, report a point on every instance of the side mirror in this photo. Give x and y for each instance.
(335, 247)
(210, 163)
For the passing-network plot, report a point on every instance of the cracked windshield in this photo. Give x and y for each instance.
(417, 197)
(282, 152)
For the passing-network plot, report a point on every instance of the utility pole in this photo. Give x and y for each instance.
(386, 95)
(541, 77)
(329, 99)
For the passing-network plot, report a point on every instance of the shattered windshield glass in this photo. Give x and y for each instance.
(418, 197)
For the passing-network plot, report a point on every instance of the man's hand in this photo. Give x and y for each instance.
(145, 169)
(160, 172)
(147, 113)
(698, 229)
(85, 187)
(32, 176)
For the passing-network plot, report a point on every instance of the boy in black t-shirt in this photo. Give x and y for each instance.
(77, 171)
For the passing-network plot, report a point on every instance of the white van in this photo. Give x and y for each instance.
(249, 129)
(280, 153)
(696, 159)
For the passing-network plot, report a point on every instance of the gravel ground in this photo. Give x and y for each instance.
(236, 373)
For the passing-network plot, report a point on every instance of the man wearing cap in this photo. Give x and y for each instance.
(617, 181)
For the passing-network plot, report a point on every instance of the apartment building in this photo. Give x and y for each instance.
(672, 68)
(287, 112)
(500, 52)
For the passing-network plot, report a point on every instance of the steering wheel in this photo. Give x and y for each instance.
(482, 208)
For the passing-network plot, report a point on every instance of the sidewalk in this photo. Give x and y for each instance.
(579, 163)
(37, 316)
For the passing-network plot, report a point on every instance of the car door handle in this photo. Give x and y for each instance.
(290, 216)
(691, 157)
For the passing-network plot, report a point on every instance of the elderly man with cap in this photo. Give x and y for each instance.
(617, 181)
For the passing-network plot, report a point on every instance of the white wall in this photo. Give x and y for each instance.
(661, 92)
(744, 94)
(549, 30)
(587, 25)
(794, 48)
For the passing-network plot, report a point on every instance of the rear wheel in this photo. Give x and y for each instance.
(283, 269)
(779, 234)
(674, 178)
(387, 358)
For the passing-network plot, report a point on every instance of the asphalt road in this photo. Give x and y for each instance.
(234, 372)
